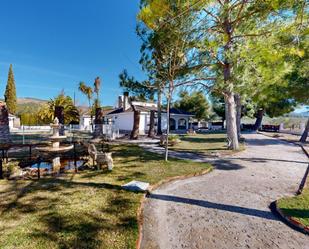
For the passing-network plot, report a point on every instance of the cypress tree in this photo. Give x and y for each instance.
(10, 92)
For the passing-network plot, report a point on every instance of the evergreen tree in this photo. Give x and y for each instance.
(194, 102)
(10, 92)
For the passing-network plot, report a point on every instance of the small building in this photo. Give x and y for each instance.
(123, 116)
(14, 122)
(85, 120)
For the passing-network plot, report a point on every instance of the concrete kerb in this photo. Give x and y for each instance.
(152, 188)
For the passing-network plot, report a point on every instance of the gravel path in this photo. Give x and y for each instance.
(229, 207)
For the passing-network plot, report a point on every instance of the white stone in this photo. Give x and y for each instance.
(136, 186)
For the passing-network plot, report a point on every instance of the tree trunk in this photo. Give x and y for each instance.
(91, 117)
(168, 123)
(151, 131)
(135, 131)
(259, 119)
(98, 128)
(238, 114)
(159, 130)
(231, 126)
(305, 133)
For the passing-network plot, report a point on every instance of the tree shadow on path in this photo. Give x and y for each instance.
(224, 207)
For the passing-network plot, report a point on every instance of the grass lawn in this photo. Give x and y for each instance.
(205, 143)
(84, 210)
(297, 207)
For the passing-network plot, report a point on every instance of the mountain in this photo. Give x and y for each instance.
(27, 100)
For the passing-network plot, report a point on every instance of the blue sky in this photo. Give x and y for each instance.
(54, 44)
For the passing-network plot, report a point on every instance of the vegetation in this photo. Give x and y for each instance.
(194, 102)
(28, 113)
(204, 143)
(87, 91)
(296, 207)
(84, 210)
(214, 44)
(71, 114)
(10, 92)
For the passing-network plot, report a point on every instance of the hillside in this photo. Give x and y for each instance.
(27, 100)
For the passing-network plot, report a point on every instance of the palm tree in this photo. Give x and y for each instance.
(71, 114)
(88, 92)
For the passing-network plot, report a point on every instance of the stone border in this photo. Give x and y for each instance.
(140, 218)
(290, 220)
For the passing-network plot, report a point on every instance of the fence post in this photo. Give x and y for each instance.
(74, 150)
(1, 169)
(30, 151)
(23, 130)
(39, 166)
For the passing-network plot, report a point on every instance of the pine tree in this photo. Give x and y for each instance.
(10, 92)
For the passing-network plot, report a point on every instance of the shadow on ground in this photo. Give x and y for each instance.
(224, 207)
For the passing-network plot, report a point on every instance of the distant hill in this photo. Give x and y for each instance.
(27, 100)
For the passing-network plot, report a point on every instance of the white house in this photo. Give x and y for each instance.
(123, 116)
(14, 122)
(85, 121)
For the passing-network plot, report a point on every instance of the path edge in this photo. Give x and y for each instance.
(140, 217)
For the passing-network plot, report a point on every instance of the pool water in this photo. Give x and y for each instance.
(65, 165)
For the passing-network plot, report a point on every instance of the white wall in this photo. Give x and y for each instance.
(124, 121)
(85, 122)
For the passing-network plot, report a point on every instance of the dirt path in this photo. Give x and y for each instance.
(229, 208)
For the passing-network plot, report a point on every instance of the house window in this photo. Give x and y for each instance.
(182, 124)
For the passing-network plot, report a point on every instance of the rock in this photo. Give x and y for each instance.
(136, 186)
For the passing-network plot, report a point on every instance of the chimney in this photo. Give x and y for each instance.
(120, 100)
(126, 105)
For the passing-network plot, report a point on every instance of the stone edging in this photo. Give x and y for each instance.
(291, 221)
(152, 188)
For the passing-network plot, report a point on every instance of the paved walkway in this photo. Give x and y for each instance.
(229, 207)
